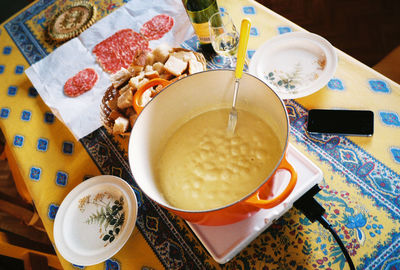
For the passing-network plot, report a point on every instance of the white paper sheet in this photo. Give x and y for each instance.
(82, 114)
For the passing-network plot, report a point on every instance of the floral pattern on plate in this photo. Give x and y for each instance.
(109, 214)
(291, 80)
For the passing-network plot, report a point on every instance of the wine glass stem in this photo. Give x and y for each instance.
(231, 63)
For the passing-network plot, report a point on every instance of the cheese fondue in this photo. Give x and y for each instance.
(202, 167)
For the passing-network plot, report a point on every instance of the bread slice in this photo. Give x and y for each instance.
(150, 58)
(151, 74)
(121, 125)
(195, 66)
(125, 88)
(134, 82)
(175, 65)
(120, 77)
(125, 100)
(161, 53)
(159, 67)
(145, 97)
(184, 55)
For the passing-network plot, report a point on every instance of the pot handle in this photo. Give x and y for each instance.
(255, 199)
(139, 92)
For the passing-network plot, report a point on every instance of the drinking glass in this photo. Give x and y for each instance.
(224, 36)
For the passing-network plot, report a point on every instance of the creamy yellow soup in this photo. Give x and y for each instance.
(204, 167)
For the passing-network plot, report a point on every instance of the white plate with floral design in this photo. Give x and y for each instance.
(295, 64)
(95, 220)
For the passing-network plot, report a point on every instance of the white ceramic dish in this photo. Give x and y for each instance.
(295, 64)
(82, 227)
(225, 242)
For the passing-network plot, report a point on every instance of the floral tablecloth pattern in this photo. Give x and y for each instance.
(360, 189)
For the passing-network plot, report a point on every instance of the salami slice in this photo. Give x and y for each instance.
(81, 82)
(119, 50)
(157, 27)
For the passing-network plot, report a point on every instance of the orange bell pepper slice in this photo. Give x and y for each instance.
(157, 81)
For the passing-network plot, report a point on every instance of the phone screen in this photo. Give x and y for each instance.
(348, 122)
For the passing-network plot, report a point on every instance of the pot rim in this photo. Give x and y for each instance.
(244, 198)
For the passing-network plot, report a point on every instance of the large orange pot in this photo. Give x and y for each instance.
(191, 96)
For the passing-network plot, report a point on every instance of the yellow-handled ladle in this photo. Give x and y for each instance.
(243, 39)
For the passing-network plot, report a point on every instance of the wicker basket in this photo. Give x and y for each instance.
(111, 96)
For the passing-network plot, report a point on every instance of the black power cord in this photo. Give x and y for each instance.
(314, 211)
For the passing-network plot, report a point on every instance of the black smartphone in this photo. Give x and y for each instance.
(346, 122)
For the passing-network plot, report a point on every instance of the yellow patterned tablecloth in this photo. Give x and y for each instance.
(360, 189)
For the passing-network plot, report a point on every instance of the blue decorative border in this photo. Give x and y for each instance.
(23, 37)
